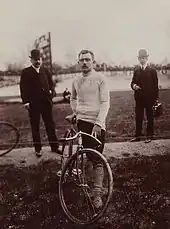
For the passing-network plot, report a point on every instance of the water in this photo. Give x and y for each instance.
(116, 82)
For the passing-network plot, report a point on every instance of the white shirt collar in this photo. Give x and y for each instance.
(36, 69)
(144, 66)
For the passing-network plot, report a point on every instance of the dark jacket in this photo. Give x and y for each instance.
(147, 80)
(36, 87)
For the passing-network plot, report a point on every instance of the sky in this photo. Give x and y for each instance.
(114, 29)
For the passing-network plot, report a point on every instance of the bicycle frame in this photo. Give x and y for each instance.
(79, 136)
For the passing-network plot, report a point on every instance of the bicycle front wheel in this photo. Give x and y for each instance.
(77, 191)
(9, 137)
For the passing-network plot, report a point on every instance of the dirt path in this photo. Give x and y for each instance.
(25, 156)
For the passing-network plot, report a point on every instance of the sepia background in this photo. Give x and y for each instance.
(114, 30)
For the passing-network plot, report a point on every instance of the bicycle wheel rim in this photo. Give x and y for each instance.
(10, 132)
(61, 191)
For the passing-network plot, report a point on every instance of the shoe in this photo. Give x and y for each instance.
(136, 139)
(58, 151)
(97, 202)
(39, 153)
(148, 139)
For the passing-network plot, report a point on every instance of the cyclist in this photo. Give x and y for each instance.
(90, 104)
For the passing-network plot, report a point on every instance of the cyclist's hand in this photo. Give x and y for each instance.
(27, 106)
(96, 131)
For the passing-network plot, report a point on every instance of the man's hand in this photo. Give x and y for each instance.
(136, 87)
(27, 106)
(96, 131)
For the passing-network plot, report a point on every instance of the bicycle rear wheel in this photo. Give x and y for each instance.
(9, 137)
(76, 190)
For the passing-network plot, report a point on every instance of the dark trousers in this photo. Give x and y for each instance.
(139, 110)
(43, 109)
(88, 142)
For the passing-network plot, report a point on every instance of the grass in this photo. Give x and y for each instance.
(141, 196)
(120, 120)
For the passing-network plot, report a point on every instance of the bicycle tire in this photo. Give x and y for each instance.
(62, 180)
(11, 145)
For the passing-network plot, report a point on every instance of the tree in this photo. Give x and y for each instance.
(56, 68)
(14, 68)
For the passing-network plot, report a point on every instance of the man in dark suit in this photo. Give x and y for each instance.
(37, 88)
(145, 86)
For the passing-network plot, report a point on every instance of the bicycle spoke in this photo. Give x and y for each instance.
(77, 192)
(86, 186)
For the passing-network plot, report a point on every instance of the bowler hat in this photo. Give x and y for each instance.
(142, 53)
(35, 54)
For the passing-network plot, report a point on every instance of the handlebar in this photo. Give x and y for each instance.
(80, 133)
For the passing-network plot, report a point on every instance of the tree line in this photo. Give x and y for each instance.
(15, 69)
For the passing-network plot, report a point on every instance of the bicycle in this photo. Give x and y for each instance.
(9, 137)
(75, 186)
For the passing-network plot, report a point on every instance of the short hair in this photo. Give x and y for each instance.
(85, 51)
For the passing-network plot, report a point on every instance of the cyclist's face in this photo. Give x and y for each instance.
(86, 62)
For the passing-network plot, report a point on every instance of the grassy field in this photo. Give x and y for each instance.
(120, 120)
(141, 196)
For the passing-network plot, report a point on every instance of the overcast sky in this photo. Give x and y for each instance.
(113, 29)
